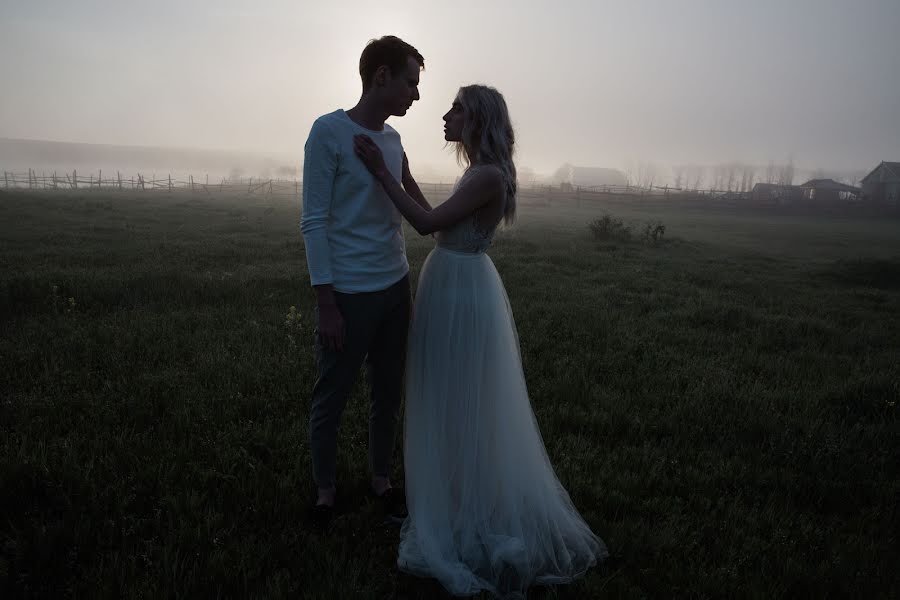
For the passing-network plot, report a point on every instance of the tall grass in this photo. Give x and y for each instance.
(721, 407)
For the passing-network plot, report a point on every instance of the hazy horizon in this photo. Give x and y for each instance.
(593, 85)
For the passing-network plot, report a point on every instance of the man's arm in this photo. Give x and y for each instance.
(319, 168)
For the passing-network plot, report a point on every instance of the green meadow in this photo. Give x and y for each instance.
(721, 404)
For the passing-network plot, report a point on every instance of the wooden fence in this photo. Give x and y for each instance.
(33, 180)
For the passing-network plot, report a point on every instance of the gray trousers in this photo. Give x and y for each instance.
(376, 328)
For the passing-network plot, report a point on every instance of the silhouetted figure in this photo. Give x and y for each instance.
(486, 511)
(357, 265)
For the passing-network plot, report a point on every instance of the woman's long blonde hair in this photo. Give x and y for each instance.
(488, 137)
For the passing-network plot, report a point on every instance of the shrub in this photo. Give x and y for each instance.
(653, 233)
(609, 228)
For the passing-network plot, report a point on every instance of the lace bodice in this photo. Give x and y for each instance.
(468, 235)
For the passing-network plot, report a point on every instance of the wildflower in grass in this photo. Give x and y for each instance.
(294, 323)
(293, 320)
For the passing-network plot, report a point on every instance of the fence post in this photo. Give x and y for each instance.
(100, 179)
(297, 189)
(5, 179)
(119, 177)
(170, 182)
(192, 183)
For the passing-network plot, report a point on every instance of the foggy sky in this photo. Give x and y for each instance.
(588, 82)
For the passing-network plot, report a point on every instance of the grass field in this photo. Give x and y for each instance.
(722, 406)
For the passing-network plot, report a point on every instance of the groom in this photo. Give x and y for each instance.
(357, 265)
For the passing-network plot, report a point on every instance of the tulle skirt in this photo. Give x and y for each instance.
(486, 511)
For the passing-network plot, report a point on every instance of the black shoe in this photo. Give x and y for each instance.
(392, 505)
(321, 516)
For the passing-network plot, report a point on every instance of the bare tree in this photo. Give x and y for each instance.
(641, 173)
(730, 170)
(718, 176)
(786, 173)
(678, 172)
(647, 172)
(770, 172)
(747, 178)
(628, 171)
(699, 175)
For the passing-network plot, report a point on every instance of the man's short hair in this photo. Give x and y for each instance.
(388, 51)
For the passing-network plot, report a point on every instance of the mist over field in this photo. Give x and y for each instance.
(47, 157)
(704, 271)
(643, 88)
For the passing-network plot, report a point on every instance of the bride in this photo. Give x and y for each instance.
(486, 511)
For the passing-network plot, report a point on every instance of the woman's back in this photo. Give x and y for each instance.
(475, 232)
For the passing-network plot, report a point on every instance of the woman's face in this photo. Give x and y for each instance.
(453, 122)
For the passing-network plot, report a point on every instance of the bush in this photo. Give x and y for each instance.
(609, 228)
(653, 233)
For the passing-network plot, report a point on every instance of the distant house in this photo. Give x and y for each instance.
(882, 185)
(823, 191)
(586, 177)
(776, 193)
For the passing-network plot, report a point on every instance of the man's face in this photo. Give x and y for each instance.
(402, 89)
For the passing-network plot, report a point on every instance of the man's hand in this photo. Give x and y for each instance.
(331, 322)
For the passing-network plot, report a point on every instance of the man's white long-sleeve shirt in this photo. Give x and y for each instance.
(351, 229)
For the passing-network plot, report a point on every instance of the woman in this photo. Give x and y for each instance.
(486, 511)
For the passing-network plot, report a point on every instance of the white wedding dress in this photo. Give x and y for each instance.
(486, 511)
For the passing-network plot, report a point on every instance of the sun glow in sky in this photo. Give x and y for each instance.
(587, 82)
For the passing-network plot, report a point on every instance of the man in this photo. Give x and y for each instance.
(357, 265)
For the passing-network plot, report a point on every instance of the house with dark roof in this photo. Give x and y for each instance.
(821, 191)
(882, 185)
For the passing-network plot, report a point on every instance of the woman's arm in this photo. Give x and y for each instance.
(480, 189)
(411, 187)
